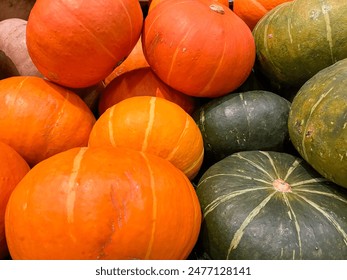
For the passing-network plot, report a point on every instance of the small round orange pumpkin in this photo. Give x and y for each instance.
(13, 169)
(103, 203)
(78, 43)
(153, 125)
(200, 48)
(141, 82)
(39, 118)
(251, 11)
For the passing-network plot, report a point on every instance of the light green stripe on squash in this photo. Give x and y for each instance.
(246, 217)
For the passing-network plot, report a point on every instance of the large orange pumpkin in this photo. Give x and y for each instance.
(251, 11)
(12, 169)
(141, 82)
(200, 48)
(78, 43)
(103, 203)
(154, 125)
(39, 118)
(135, 60)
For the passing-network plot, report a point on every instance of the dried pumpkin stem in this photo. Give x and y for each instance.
(217, 8)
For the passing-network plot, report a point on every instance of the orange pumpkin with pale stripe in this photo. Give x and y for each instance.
(210, 55)
(251, 11)
(103, 203)
(153, 125)
(142, 82)
(13, 169)
(39, 118)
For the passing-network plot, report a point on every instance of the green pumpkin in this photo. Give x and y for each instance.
(271, 205)
(252, 120)
(317, 122)
(297, 39)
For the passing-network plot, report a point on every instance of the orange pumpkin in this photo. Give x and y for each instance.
(103, 203)
(210, 55)
(153, 125)
(78, 43)
(135, 60)
(251, 11)
(154, 3)
(13, 169)
(39, 118)
(141, 82)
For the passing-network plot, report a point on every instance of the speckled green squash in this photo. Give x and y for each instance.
(317, 122)
(271, 205)
(243, 121)
(297, 39)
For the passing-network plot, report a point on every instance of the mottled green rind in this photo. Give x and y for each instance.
(246, 218)
(252, 120)
(297, 39)
(318, 122)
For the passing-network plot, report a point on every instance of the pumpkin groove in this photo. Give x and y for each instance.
(247, 216)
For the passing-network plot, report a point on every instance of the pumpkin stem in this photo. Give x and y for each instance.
(217, 8)
(281, 186)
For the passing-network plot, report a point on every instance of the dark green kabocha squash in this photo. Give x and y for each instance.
(318, 122)
(298, 38)
(271, 205)
(252, 120)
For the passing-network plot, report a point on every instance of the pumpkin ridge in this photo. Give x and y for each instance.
(243, 102)
(131, 35)
(233, 175)
(331, 195)
(154, 207)
(194, 164)
(223, 198)
(73, 16)
(292, 216)
(327, 216)
(172, 153)
(239, 233)
(266, 35)
(294, 165)
(72, 185)
(173, 60)
(271, 162)
(16, 93)
(256, 166)
(305, 133)
(314, 180)
(325, 12)
(213, 75)
(152, 103)
(51, 133)
(110, 127)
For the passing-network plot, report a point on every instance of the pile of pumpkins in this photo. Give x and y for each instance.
(173, 129)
